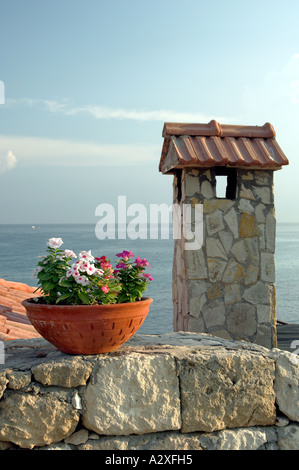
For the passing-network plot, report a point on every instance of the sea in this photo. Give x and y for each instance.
(21, 245)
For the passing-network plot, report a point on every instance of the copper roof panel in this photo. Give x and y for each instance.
(213, 144)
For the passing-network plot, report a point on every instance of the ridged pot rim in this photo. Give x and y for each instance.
(31, 302)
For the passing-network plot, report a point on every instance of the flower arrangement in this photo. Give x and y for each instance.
(90, 280)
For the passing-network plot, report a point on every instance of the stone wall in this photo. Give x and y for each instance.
(179, 391)
(227, 287)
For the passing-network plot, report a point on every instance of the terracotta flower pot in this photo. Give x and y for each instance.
(87, 329)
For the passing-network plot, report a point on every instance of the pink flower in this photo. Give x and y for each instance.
(121, 266)
(125, 255)
(148, 277)
(105, 289)
(141, 262)
(102, 259)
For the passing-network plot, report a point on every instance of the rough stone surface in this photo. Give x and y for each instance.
(28, 420)
(214, 222)
(287, 384)
(231, 386)
(237, 256)
(178, 391)
(288, 437)
(241, 321)
(70, 372)
(133, 395)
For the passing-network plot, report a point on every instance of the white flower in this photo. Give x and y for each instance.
(88, 268)
(86, 256)
(55, 242)
(78, 265)
(82, 280)
(69, 254)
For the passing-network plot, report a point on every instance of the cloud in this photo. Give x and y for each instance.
(7, 161)
(101, 112)
(39, 151)
(68, 108)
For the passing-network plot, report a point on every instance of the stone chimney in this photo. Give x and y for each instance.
(227, 287)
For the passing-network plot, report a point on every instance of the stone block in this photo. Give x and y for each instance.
(226, 240)
(245, 206)
(206, 190)
(241, 320)
(267, 267)
(232, 221)
(196, 305)
(246, 193)
(192, 185)
(215, 249)
(133, 394)
(270, 232)
(262, 178)
(215, 291)
(264, 313)
(226, 389)
(259, 213)
(196, 325)
(233, 272)
(196, 265)
(232, 294)
(216, 268)
(287, 385)
(214, 314)
(266, 335)
(30, 421)
(67, 372)
(259, 293)
(288, 437)
(239, 251)
(251, 275)
(252, 246)
(18, 380)
(214, 222)
(248, 227)
(263, 193)
(214, 204)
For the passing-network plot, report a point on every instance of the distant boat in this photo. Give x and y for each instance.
(32, 226)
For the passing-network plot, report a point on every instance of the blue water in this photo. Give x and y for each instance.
(20, 246)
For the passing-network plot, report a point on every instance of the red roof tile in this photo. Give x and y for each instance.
(14, 323)
(213, 144)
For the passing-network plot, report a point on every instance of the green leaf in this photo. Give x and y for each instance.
(65, 283)
(63, 297)
(48, 286)
(44, 276)
(84, 297)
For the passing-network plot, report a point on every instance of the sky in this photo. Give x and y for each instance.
(88, 85)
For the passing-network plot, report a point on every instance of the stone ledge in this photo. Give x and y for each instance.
(177, 391)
